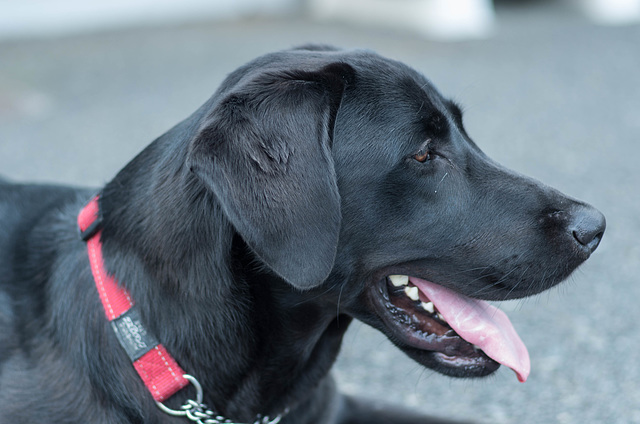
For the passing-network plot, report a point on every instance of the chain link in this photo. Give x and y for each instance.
(199, 413)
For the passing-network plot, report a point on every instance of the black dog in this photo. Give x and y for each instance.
(300, 196)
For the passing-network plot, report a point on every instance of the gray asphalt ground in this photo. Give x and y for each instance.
(550, 95)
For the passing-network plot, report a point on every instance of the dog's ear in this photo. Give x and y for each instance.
(265, 152)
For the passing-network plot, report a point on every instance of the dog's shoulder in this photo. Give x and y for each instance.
(39, 248)
(30, 216)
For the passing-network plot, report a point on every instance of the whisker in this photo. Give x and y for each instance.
(518, 283)
(500, 280)
(338, 305)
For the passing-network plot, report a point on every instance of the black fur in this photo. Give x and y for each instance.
(290, 195)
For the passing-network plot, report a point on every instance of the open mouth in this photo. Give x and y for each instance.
(463, 336)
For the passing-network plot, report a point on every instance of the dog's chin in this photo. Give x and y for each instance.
(413, 324)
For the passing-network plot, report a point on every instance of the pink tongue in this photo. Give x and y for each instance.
(481, 324)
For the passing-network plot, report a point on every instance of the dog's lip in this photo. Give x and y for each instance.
(477, 322)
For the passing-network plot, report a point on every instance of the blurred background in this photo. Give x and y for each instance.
(551, 89)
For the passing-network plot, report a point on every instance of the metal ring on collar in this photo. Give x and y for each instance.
(195, 383)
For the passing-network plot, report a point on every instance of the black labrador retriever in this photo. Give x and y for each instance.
(317, 185)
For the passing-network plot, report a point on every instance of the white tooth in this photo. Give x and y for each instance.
(476, 348)
(399, 280)
(428, 306)
(440, 317)
(412, 292)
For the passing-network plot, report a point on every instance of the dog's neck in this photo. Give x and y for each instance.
(224, 318)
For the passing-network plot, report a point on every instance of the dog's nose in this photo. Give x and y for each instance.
(587, 227)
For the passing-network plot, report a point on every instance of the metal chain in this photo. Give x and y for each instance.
(199, 413)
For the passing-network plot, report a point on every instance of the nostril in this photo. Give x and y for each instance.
(588, 227)
(587, 240)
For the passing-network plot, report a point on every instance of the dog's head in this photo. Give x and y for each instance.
(349, 173)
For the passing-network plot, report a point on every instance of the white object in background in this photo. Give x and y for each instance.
(612, 12)
(442, 19)
(20, 18)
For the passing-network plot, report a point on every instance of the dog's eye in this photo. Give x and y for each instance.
(424, 154)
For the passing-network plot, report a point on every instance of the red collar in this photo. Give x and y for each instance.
(160, 373)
